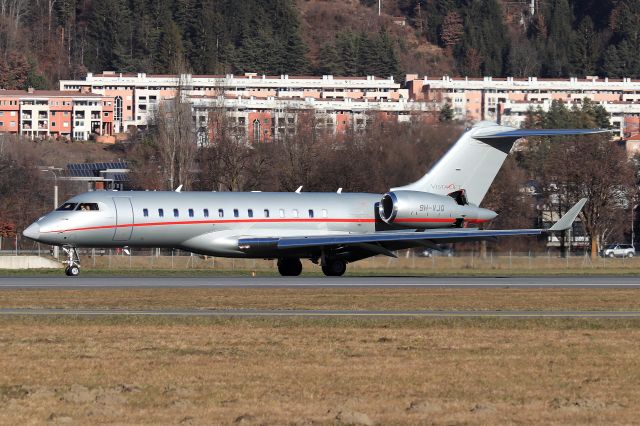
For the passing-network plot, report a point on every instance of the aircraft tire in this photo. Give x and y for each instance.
(72, 271)
(334, 267)
(289, 267)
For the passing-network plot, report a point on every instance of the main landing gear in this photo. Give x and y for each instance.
(334, 267)
(292, 267)
(72, 268)
(289, 267)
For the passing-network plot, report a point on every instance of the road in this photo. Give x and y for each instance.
(317, 282)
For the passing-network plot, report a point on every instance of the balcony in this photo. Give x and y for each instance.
(42, 115)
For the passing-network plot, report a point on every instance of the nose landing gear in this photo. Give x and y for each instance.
(72, 268)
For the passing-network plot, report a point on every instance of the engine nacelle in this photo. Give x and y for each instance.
(422, 210)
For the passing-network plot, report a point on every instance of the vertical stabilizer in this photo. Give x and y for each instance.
(474, 160)
(470, 164)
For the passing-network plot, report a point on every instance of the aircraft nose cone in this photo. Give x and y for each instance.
(32, 232)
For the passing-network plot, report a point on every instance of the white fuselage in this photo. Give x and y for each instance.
(212, 222)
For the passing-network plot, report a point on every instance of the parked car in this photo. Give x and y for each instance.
(619, 250)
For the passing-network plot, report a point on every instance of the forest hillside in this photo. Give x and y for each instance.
(42, 41)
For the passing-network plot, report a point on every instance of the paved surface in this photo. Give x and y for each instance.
(317, 282)
(320, 313)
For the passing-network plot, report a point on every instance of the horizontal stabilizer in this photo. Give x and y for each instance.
(523, 133)
(569, 217)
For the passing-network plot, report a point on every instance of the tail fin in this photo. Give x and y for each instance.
(475, 159)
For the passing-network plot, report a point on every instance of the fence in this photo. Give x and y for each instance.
(407, 261)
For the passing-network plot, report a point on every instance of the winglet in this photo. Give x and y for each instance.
(566, 221)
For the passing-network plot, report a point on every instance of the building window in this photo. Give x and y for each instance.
(145, 212)
(117, 112)
(281, 212)
(324, 213)
(1, 123)
(176, 213)
(53, 124)
(160, 212)
(190, 212)
(250, 212)
(205, 212)
(266, 212)
(220, 213)
(236, 213)
(295, 212)
(311, 213)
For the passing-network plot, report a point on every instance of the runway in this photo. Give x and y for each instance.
(249, 313)
(108, 282)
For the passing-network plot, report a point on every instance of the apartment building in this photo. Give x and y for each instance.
(263, 106)
(507, 100)
(53, 114)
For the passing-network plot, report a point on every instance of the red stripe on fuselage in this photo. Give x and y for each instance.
(305, 220)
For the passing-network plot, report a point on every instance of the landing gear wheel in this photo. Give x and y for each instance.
(72, 268)
(334, 267)
(72, 271)
(289, 267)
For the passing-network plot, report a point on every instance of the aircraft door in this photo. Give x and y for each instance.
(124, 216)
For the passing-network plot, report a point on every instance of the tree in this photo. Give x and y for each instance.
(452, 30)
(175, 137)
(446, 113)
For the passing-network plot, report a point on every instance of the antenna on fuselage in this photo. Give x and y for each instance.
(299, 190)
(179, 188)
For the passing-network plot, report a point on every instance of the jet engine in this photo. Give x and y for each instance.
(422, 210)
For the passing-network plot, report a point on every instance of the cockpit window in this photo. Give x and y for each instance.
(88, 206)
(67, 207)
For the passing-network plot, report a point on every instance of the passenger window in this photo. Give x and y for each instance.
(266, 212)
(281, 212)
(88, 207)
(250, 212)
(295, 212)
(220, 213)
(160, 212)
(324, 213)
(236, 213)
(310, 213)
(205, 212)
(67, 207)
(145, 212)
(176, 213)
(190, 212)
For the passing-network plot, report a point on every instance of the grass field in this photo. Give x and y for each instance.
(179, 370)
(318, 371)
(328, 298)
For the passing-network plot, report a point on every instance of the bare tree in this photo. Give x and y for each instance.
(598, 169)
(175, 136)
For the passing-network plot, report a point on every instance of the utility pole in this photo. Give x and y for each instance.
(51, 169)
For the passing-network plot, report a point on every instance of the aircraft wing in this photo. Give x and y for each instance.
(437, 236)
(376, 241)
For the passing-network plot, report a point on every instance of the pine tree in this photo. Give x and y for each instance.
(583, 49)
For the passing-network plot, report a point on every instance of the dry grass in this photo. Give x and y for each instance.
(328, 298)
(205, 371)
